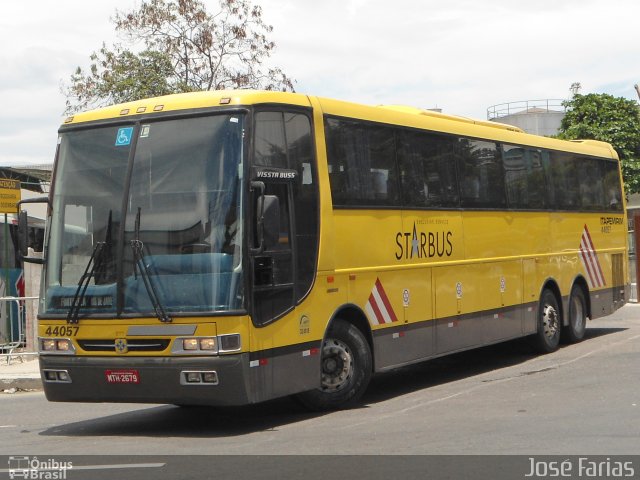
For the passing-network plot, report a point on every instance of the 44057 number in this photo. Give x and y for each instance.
(62, 331)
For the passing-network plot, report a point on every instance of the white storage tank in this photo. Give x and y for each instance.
(539, 117)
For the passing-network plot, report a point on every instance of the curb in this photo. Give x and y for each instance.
(21, 383)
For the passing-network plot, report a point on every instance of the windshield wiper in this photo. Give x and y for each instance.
(138, 264)
(83, 283)
(96, 267)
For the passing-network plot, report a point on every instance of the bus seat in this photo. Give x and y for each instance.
(197, 263)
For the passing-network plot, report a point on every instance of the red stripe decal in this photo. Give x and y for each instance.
(385, 300)
(590, 260)
(595, 257)
(597, 260)
(587, 265)
(378, 306)
(376, 310)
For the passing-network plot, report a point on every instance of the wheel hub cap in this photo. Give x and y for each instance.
(550, 321)
(337, 365)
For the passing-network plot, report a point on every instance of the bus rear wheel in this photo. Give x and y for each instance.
(346, 369)
(547, 338)
(575, 330)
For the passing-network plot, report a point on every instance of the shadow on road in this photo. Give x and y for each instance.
(458, 366)
(209, 422)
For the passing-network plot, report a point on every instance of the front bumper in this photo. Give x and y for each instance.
(160, 380)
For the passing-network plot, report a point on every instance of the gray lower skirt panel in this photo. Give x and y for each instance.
(420, 341)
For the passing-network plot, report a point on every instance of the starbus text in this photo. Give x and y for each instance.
(423, 244)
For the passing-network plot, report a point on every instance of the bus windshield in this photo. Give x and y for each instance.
(166, 225)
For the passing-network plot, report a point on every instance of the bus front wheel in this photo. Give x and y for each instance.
(547, 338)
(346, 365)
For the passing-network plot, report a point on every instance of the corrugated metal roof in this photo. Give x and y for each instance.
(31, 177)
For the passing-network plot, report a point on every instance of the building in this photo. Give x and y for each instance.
(18, 280)
(539, 117)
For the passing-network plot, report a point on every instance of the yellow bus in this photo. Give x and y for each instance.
(230, 247)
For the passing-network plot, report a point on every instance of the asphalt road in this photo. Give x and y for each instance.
(582, 400)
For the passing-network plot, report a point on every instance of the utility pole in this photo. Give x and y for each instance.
(637, 89)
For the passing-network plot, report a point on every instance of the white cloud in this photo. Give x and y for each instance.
(460, 55)
(41, 44)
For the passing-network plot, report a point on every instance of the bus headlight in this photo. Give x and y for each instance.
(195, 345)
(190, 343)
(207, 345)
(64, 345)
(47, 344)
(60, 346)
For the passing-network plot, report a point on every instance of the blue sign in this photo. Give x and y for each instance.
(124, 136)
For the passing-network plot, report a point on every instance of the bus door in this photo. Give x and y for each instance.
(284, 243)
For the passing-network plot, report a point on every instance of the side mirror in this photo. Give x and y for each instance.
(267, 219)
(23, 231)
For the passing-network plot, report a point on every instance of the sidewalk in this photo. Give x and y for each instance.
(22, 375)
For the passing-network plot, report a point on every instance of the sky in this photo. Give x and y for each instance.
(462, 56)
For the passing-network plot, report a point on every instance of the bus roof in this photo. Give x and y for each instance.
(188, 101)
(456, 118)
(390, 114)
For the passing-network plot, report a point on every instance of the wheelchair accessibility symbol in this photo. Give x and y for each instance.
(123, 137)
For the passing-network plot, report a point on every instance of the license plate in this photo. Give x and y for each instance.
(122, 376)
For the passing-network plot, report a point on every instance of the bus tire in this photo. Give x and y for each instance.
(346, 369)
(547, 338)
(574, 331)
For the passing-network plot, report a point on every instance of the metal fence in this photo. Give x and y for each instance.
(21, 331)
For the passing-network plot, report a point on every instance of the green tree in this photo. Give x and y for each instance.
(118, 76)
(175, 46)
(615, 120)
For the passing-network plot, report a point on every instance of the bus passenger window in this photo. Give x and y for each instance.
(613, 195)
(481, 173)
(524, 178)
(427, 170)
(565, 181)
(362, 164)
(591, 187)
